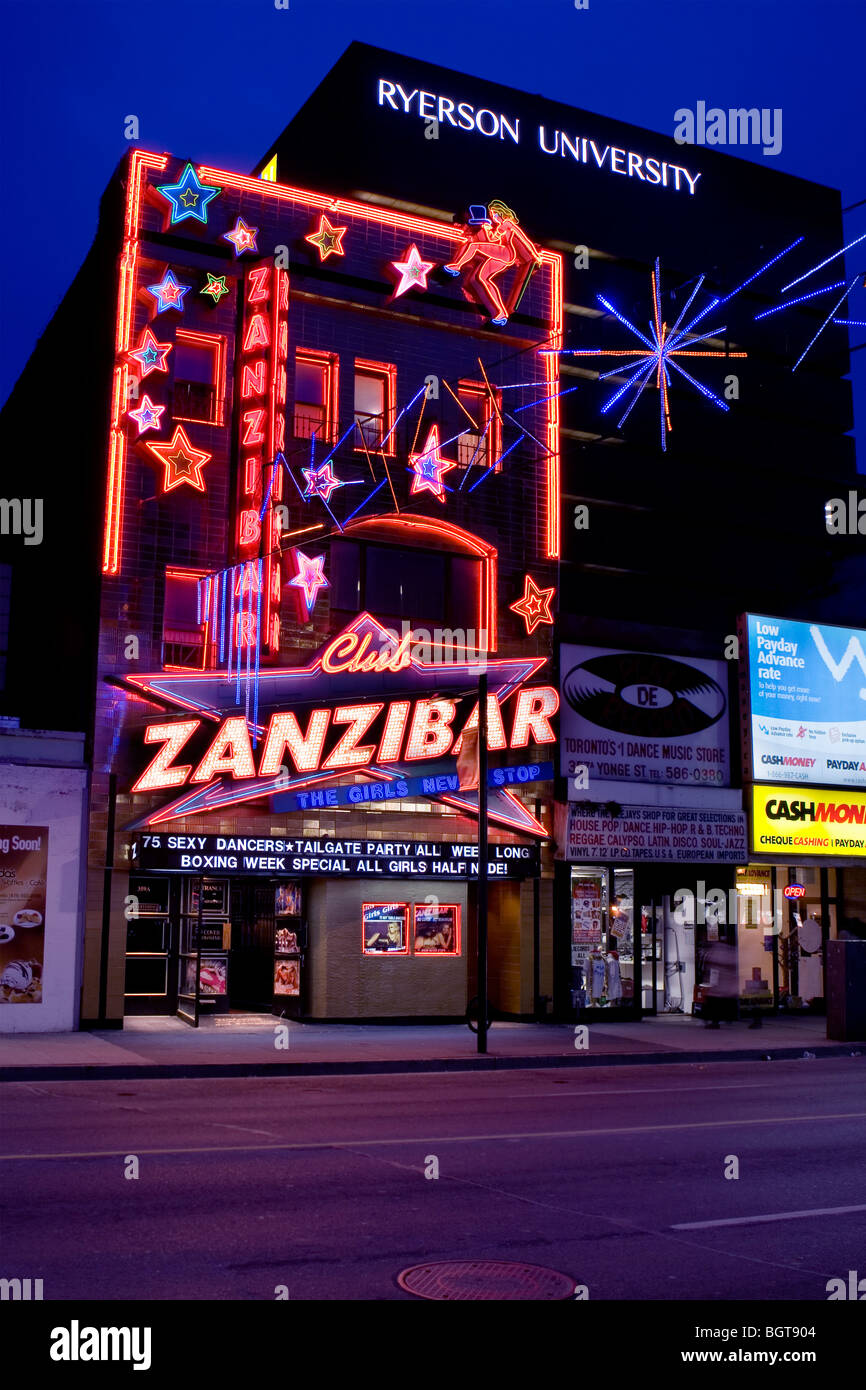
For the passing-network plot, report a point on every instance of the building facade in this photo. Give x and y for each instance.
(413, 404)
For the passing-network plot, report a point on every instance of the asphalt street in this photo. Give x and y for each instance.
(615, 1177)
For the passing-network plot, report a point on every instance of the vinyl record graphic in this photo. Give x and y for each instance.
(645, 695)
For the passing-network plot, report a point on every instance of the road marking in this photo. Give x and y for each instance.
(445, 1138)
(772, 1216)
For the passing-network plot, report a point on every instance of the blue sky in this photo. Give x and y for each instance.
(218, 79)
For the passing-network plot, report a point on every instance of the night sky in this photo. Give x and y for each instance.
(218, 79)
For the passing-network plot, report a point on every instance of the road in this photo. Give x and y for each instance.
(318, 1184)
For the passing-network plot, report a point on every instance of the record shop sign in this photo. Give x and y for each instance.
(254, 854)
(644, 717)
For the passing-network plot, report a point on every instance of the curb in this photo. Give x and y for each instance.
(249, 1070)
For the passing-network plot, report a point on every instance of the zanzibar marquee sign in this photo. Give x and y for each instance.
(364, 704)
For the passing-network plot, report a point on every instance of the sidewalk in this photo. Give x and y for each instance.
(245, 1045)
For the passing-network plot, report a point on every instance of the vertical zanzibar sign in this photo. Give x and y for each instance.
(261, 377)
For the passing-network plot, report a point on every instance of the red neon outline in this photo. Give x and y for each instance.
(388, 373)
(433, 955)
(141, 161)
(386, 954)
(329, 364)
(181, 443)
(173, 738)
(184, 572)
(492, 419)
(217, 342)
(346, 752)
(487, 614)
(534, 605)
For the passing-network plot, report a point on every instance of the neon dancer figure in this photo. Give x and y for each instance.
(493, 236)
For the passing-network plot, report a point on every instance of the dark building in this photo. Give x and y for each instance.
(358, 403)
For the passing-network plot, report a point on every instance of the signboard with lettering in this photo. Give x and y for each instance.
(789, 820)
(649, 834)
(643, 717)
(246, 854)
(805, 716)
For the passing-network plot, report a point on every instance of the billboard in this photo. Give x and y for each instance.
(643, 717)
(806, 713)
(809, 823)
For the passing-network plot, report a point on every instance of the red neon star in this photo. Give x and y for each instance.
(534, 606)
(413, 271)
(150, 355)
(321, 481)
(429, 466)
(328, 240)
(182, 462)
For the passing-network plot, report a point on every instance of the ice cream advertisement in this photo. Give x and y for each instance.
(23, 873)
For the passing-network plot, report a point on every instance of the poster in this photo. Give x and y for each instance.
(213, 975)
(288, 900)
(807, 715)
(385, 928)
(437, 929)
(215, 897)
(23, 879)
(643, 717)
(586, 910)
(287, 977)
(286, 942)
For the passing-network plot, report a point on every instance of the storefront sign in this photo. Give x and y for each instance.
(805, 708)
(361, 793)
(648, 834)
(643, 717)
(363, 702)
(821, 823)
(23, 878)
(245, 854)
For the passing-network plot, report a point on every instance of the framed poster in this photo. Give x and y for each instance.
(215, 897)
(287, 977)
(288, 900)
(286, 942)
(586, 910)
(437, 929)
(213, 975)
(385, 929)
(23, 877)
(151, 895)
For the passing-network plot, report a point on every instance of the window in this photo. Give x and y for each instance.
(199, 377)
(375, 397)
(434, 588)
(482, 442)
(385, 929)
(437, 929)
(316, 394)
(183, 627)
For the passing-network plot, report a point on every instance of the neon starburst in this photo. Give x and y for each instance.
(654, 361)
(815, 294)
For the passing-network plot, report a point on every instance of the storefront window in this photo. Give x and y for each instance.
(602, 937)
(385, 929)
(437, 929)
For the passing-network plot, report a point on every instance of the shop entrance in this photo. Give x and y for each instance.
(251, 954)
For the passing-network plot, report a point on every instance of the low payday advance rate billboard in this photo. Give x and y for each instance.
(806, 710)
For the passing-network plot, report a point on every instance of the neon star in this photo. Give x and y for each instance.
(328, 240)
(534, 606)
(413, 271)
(169, 292)
(147, 417)
(653, 362)
(321, 482)
(188, 197)
(429, 466)
(242, 237)
(182, 462)
(310, 577)
(150, 355)
(216, 287)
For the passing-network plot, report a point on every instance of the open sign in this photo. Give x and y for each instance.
(795, 890)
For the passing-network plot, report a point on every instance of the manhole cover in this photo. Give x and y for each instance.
(458, 1280)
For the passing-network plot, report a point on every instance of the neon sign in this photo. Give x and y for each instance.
(534, 606)
(316, 724)
(493, 242)
(794, 890)
(261, 376)
(328, 240)
(188, 197)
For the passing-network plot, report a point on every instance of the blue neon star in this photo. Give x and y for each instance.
(168, 293)
(188, 197)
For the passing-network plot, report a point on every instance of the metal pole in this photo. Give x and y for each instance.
(482, 862)
(536, 935)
